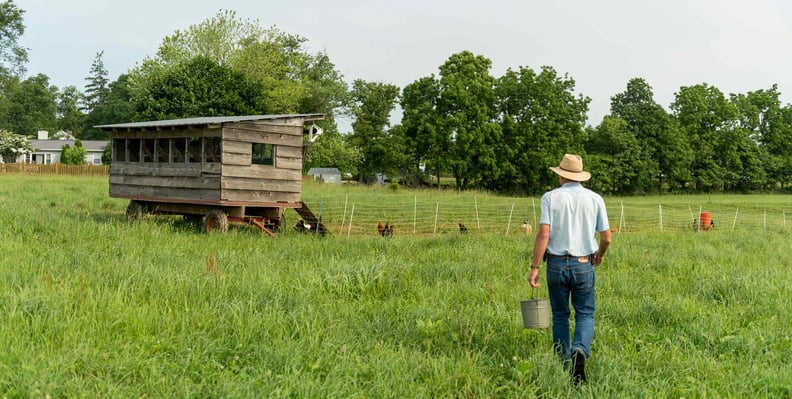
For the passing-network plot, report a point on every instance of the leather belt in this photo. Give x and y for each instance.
(579, 258)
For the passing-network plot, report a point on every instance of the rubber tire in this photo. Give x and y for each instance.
(216, 220)
(135, 211)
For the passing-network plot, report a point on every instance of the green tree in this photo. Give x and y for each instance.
(117, 107)
(372, 105)
(667, 155)
(426, 144)
(96, 89)
(466, 107)
(67, 112)
(13, 145)
(12, 55)
(542, 119)
(74, 155)
(291, 78)
(767, 124)
(200, 87)
(614, 158)
(332, 151)
(31, 106)
(705, 116)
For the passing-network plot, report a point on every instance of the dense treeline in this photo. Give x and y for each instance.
(495, 133)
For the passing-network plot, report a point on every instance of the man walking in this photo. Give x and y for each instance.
(566, 239)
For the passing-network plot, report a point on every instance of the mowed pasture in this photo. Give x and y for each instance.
(92, 306)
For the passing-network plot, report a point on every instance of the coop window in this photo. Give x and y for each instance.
(212, 149)
(162, 150)
(263, 154)
(178, 146)
(119, 150)
(133, 150)
(148, 150)
(194, 150)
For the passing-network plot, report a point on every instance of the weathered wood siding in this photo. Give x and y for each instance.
(243, 181)
(178, 181)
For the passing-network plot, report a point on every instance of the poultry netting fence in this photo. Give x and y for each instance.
(410, 215)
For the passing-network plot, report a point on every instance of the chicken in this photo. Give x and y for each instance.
(380, 228)
(301, 226)
(462, 228)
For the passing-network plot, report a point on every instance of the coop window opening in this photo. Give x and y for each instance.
(119, 150)
(149, 146)
(169, 150)
(133, 150)
(162, 154)
(178, 148)
(263, 154)
(212, 149)
(194, 150)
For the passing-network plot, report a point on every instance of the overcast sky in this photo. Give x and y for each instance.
(734, 45)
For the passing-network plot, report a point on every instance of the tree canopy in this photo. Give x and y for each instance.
(459, 122)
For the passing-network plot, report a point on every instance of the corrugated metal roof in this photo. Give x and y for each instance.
(212, 120)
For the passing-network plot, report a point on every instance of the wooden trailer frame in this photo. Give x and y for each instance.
(244, 169)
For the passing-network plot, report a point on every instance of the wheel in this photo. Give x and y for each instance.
(216, 220)
(135, 210)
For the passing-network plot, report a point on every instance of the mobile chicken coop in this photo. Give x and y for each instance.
(244, 169)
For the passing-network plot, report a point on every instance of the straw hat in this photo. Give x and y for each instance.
(571, 168)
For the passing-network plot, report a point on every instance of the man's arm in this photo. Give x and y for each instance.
(604, 244)
(540, 246)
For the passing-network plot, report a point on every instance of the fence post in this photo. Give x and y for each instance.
(621, 217)
(660, 207)
(415, 213)
(343, 218)
(735, 217)
(478, 223)
(437, 211)
(698, 225)
(764, 219)
(510, 218)
(533, 205)
(351, 214)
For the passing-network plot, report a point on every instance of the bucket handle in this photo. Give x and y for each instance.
(534, 293)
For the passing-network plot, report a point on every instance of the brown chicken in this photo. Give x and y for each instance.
(386, 230)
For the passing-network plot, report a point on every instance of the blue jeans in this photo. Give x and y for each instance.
(567, 278)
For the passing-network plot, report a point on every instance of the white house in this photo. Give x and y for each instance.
(48, 151)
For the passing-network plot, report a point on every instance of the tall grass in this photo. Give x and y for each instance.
(91, 306)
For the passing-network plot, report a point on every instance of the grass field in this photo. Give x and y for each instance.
(91, 306)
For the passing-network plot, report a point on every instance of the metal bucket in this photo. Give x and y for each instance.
(535, 312)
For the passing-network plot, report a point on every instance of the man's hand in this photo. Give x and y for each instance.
(597, 259)
(533, 278)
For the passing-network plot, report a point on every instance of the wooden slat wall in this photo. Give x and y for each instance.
(243, 181)
(236, 179)
(174, 181)
(188, 181)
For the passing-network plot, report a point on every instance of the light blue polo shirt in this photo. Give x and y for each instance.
(574, 214)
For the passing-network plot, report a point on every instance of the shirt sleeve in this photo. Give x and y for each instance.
(602, 216)
(544, 217)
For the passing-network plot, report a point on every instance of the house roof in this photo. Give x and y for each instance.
(324, 171)
(202, 121)
(57, 145)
